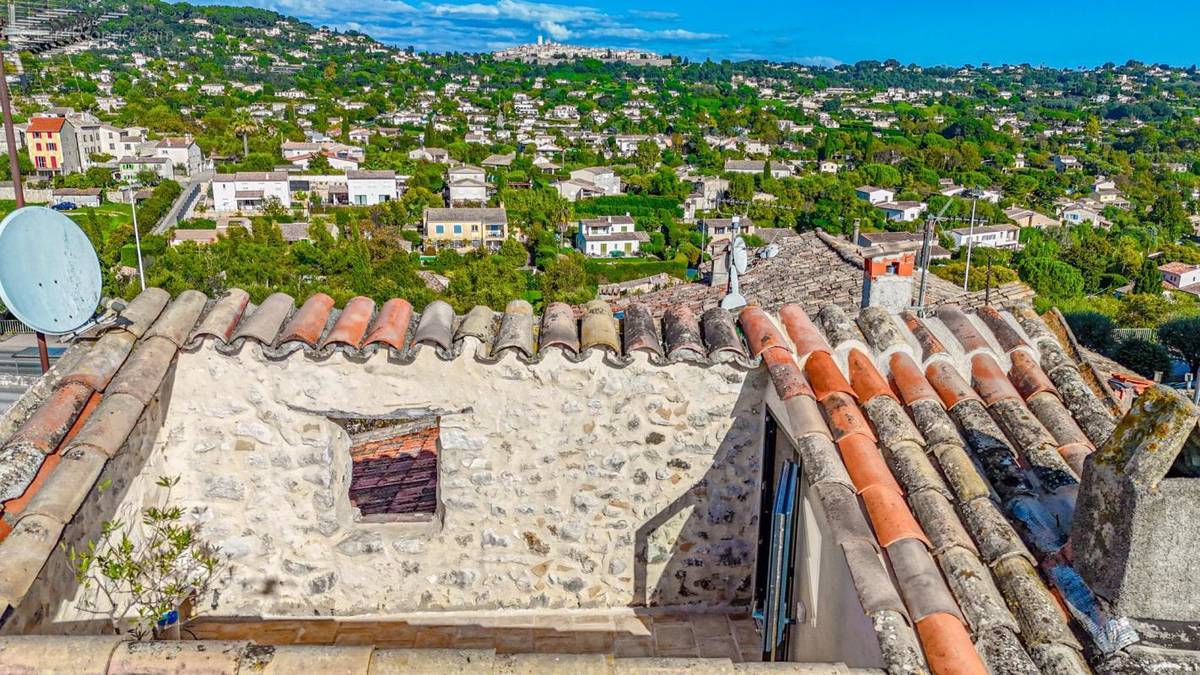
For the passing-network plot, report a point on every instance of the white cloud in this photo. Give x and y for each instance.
(630, 33)
(824, 61)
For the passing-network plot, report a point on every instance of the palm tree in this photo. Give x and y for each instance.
(243, 125)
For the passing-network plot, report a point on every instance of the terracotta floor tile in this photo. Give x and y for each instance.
(678, 653)
(514, 640)
(549, 642)
(632, 625)
(593, 642)
(674, 637)
(711, 625)
(434, 638)
(718, 647)
(633, 647)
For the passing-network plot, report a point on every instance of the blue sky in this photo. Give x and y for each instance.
(1063, 33)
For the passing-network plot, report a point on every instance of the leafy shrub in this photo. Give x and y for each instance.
(615, 270)
(1092, 329)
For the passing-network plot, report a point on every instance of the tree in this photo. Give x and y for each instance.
(647, 155)
(1142, 357)
(565, 280)
(1143, 310)
(1148, 279)
(1093, 329)
(243, 124)
(1051, 278)
(1182, 337)
(319, 164)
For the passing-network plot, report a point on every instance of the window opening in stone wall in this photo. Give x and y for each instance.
(394, 474)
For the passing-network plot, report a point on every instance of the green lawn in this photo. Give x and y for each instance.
(109, 215)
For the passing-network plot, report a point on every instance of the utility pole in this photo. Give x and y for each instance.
(970, 245)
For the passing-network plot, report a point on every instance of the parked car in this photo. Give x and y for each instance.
(64, 206)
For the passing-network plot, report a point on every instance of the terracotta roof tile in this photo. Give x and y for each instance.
(825, 377)
(351, 324)
(964, 331)
(682, 332)
(479, 323)
(921, 584)
(516, 329)
(844, 417)
(929, 343)
(802, 331)
(761, 333)
(144, 372)
(838, 326)
(143, 310)
(223, 316)
(1006, 335)
(558, 328)
(890, 517)
(640, 331)
(395, 475)
(102, 361)
(49, 424)
(598, 328)
(879, 327)
(876, 592)
(1027, 376)
(391, 324)
(990, 381)
(785, 374)
(907, 379)
(176, 321)
(264, 322)
(948, 647)
(436, 326)
(865, 464)
(844, 515)
(308, 323)
(865, 377)
(949, 385)
(940, 522)
(720, 334)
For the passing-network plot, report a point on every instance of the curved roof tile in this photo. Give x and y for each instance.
(948, 647)
(479, 323)
(844, 417)
(599, 328)
(639, 330)
(990, 381)
(880, 329)
(1005, 334)
(682, 332)
(223, 316)
(865, 377)
(351, 325)
(761, 333)
(391, 324)
(436, 326)
(838, 327)
(558, 328)
(308, 323)
(907, 378)
(825, 377)
(865, 465)
(177, 320)
(516, 329)
(949, 385)
(1027, 376)
(964, 331)
(49, 424)
(930, 344)
(263, 324)
(785, 375)
(143, 310)
(890, 517)
(803, 332)
(719, 332)
(921, 584)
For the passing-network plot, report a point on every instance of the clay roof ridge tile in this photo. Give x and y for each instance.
(516, 330)
(262, 325)
(720, 334)
(929, 343)
(963, 330)
(599, 329)
(804, 334)
(351, 325)
(990, 381)
(825, 376)
(865, 378)
(559, 328)
(175, 323)
(308, 323)
(391, 324)
(907, 379)
(141, 312)
(223, 316)
(435, 326)
(639, 331)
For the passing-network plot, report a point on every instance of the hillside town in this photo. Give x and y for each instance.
(585, 358)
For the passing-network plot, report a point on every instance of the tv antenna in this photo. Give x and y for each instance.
(49, 273)
(36, 27)
(738, 261)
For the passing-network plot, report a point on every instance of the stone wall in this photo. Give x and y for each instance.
(561, 484)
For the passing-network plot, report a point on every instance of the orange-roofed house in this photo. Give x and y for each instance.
(52, 146)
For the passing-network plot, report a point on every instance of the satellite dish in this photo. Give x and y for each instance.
(49, 272)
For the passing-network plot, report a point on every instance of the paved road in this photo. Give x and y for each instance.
(187, 198)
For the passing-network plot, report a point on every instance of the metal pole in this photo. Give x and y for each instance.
(970, 245)
(14, 167)
(925, 239)
(987, 289)
(137, 239)
(1196, 387)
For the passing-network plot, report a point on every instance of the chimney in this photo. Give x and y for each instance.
(1137, 517)
(854, 237)
(888, 276)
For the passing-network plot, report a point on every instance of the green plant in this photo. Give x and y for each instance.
(1142, 357)
(144, 578)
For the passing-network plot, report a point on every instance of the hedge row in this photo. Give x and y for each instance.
(616, 270)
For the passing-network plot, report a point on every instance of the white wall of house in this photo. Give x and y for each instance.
(370, 191)
(225, 192)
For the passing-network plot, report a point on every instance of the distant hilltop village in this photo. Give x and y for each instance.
(546, 51)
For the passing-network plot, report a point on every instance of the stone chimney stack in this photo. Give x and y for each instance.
(888, 276)
(1135, 535)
